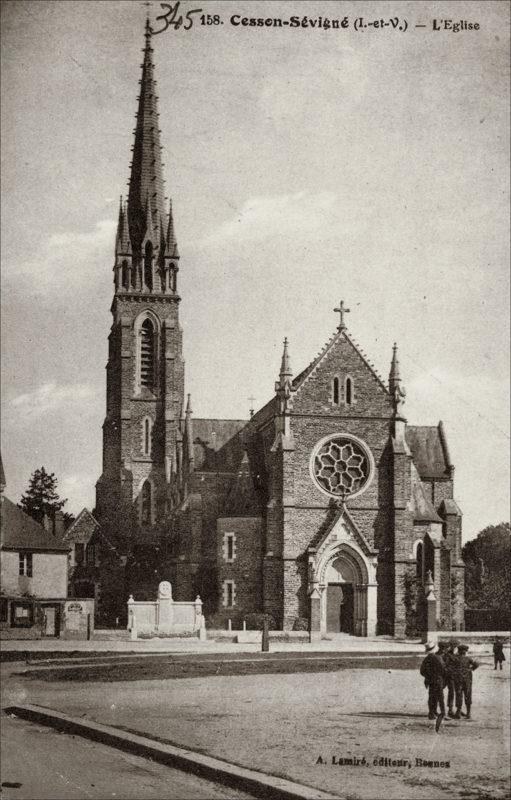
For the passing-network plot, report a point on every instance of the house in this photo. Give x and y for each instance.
(33, 576)
(83, 555)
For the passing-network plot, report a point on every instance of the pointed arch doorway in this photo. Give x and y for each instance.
(342, 581)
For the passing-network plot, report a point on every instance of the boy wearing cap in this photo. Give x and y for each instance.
(433, 671)
(498, 653)
(467, 667)
(451, 660)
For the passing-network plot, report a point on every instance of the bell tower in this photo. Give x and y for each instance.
(142, 440)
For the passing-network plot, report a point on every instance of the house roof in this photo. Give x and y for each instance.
(21, 532)
(429, 450)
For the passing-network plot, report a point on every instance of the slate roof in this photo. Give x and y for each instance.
(242, 500)
(21, 532)
(429, 450)
(422, 509)
(217, 444)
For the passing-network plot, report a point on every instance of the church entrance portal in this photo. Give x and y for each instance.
(339, 608)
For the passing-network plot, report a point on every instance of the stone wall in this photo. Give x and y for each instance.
(245, 568)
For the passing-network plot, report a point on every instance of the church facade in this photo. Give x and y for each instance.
(324, 509)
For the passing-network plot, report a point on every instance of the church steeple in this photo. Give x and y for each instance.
(146, 180)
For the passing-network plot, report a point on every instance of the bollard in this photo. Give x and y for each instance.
(244, 625)
(229, 625)
(265, 641)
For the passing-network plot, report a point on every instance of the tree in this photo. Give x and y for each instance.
(41, 496)
(488, 568)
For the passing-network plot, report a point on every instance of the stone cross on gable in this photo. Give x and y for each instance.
(342, 310)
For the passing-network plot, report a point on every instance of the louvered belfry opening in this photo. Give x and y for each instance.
(147, 355)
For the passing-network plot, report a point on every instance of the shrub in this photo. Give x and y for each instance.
(218, 622)
(255, 622)
(301, 624)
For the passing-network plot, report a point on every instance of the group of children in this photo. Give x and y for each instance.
(448, 668)
(453, 669)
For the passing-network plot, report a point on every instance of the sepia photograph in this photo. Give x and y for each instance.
(255, 356)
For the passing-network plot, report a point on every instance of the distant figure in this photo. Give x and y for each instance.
(433, 671)
(498, 653)
(451, 661)
(467, 667)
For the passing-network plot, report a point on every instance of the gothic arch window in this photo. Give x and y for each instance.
(335, 391)
(147, 354)
(419, 560)
(125, 274)
(348, 391)
(147, 431)
(148, 266)
(146, 503)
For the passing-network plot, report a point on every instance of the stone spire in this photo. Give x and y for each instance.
(146, 180)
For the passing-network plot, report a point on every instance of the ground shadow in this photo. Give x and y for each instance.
(383, 714)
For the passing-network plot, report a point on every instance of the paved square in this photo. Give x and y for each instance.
(282, 724)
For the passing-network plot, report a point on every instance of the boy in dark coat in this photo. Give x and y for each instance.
(451, 661)
(498, 653)
(433, 671)
(467, 667)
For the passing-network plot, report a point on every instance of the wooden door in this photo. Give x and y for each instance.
(334, 598)
(347, 609)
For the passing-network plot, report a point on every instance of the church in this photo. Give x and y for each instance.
(325, 509)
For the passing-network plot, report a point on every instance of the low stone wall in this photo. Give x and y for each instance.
(165, 615)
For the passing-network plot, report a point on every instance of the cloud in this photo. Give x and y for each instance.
(66, 262)
(260, 218)
(50, 397)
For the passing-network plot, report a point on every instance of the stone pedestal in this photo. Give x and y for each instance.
(165, 608)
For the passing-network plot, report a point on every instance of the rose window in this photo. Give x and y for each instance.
(341, 466)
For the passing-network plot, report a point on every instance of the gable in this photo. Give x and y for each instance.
(341, 359)
(82, 529)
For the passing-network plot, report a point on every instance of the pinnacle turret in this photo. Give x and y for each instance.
(286, 372)
(122, 239)
(394, 375)
(171, 250)
(397, 391)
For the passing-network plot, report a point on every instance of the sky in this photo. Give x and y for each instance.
(305, 166)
